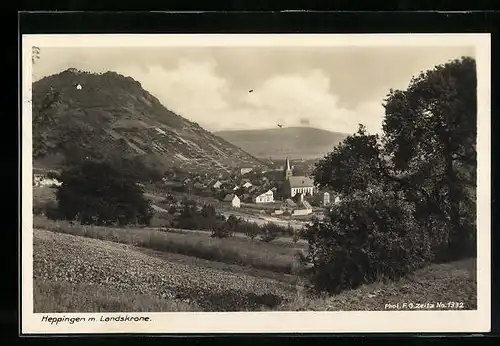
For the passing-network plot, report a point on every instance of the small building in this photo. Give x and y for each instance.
(217, 184)
(244, 171)
(235, 201)
(304, 208)
(247, 185)
(266, 197)
(288, 205)
(326, 199)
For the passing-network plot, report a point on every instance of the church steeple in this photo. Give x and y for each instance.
(288, 170)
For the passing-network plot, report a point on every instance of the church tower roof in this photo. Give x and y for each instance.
(288, 170)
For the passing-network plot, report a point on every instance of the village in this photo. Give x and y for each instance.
(275, 196)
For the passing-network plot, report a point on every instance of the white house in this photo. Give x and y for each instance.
(244, 171)
(266, 197)
(217, 184)
(235, 202)
(247, 185)
(304, 185)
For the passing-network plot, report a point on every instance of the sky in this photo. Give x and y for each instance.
(332, 88)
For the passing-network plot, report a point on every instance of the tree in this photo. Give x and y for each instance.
(352, 165)
(430, 135)
(373, 233)
(96, 193)
(427, 149)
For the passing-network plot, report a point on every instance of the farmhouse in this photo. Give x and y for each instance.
(266, 197)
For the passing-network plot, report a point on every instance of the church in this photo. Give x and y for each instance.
(296, 184)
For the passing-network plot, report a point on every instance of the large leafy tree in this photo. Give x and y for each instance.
(430, 135)
(97, 193)
(352, 165)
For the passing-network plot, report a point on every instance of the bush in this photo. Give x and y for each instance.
(270, 232)
(370, 235)
(251, 230)
(222, 232)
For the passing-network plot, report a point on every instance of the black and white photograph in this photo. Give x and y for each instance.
(255, 183)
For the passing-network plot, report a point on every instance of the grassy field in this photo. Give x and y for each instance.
(76, 274)
(65, 265)
(278, 257)
(53, 296)
(445, 283)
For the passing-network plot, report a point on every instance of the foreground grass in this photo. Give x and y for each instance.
(68, 265)
(453, 282)
(277, 257)
(78, 274)
(56, 297)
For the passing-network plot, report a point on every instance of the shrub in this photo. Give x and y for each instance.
(270, 232)
(222, 232)
(251, 230)
(370, 235)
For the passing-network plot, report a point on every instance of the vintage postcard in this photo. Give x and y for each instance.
(255, 183)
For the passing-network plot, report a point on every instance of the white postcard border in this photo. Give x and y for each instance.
(270, 322)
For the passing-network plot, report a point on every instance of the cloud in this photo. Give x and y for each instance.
(329, 88)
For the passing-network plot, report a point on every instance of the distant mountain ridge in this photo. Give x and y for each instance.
(292, 142)
(113, 113)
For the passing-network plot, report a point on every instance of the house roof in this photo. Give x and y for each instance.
(229, 197)
(290, 202)
(299, 181)
(306, 205)
(261, 192)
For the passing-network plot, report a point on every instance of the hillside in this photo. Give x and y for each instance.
(79, 274)
(294, 142)
(113, 115)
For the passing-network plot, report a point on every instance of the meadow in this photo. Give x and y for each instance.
(80, 274)
(280, 257)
